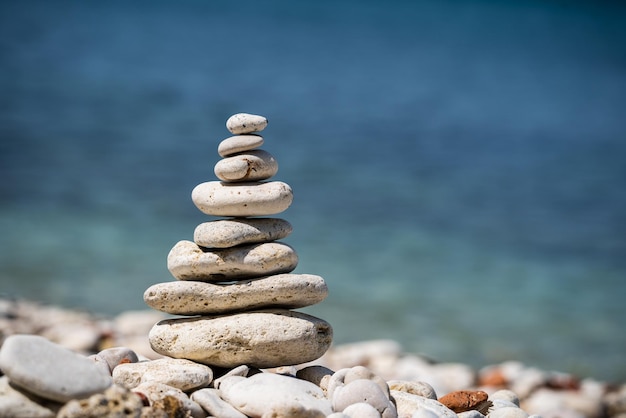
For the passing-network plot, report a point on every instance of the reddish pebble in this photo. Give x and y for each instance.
(493, 378)
(464, 400)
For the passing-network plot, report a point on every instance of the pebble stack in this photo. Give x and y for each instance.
(235, 286)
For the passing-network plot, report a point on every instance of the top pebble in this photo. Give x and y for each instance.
(244, 123)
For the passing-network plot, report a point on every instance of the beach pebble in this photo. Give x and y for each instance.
(508, 412)
(245, 123)
(470, 414)
(255, 165)
(464, 400)
(344, 376)
(361, 410)
(407, 404)
(49, 370)
(314, 374)
(242, 199)
(239, 371)
(422, 413)
(115, 356)
(265, 392)
(179, 373)
(115, 402)
(17, 404)
(414, 387)
(505, 395)
(263, 339)
(187, 261)
(211, 402)
(239, 143)
(226, 233)
(363, 390)
(172, 400)
(196, 298)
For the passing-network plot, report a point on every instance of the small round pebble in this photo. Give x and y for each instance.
(255, 165)
(361, 410)
(239, 143)
(245, 123)
(226, 233)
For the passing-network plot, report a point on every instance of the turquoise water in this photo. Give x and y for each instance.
(458, 169)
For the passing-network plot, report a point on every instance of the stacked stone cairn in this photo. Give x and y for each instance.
(235, 286)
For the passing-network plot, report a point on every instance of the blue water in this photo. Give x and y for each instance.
(459, 168)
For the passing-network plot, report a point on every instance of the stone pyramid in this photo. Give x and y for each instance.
(235, 287)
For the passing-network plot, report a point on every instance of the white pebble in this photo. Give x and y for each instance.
(245, 123)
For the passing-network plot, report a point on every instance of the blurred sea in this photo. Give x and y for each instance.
(459, 168)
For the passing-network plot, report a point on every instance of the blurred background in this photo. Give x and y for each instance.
(458, 166)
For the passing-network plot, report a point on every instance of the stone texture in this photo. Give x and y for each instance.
(49, 370)
(263, 339)
(465, 400)
(211, 402)
(201, 298)
(265, 392)
(15, 403)
(169, 399)
(242, 199)
(363, 390)
(179, 373)
(115, 402)
(255, 165)
(115, 356)
(239, 143)
(188, 261)
(245, 123)
(407, 404)
(416, 388)
(361, 410)
(226, 233)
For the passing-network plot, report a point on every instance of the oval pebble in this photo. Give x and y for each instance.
(179, 373)
(414, 387)
(245, 123)
(210, 401)
(50, 370)
(187, 261)
(361, 410)
(242, 199)
(407, 404)
(226, 233)
(239, 143)
(265, 392)
(508, 412)
(253, 165)
(201, 298)
(161, 396)
(363, 390)
(262, 339)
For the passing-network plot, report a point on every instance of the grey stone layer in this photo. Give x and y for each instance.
(200, 298)
(263, 339)
(226, 233)
(242, 199)
(49, 370)
(239, 143)
(187, 261)
(253, 165)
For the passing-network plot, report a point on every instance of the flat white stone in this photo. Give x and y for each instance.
(269, 392)
(200, 298)
(245, 123)
(239, 143)
(226, 233)
(210, 401)
(242, 199)
(408, 404)
(363, 390)
(187, 261)
(263, 339)
(49, 370)
(255, 165)
(179, 373)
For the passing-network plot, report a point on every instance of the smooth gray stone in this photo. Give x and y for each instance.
(239, 143)
(242, 199)
(188, 261)
(179, 373)
(210, 401)
(245, 123)
(226, 233)
(263, 339)
(15, 403)
(49, 370)
(255, 165)
(200, 298)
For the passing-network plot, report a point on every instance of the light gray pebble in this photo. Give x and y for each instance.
(424, 413)
(239, 143)
(508, 412)
(201, 298)
(117, 355)
(255, 165)
(363, 390)
(49, 370)
(505, 395)
(263, 339)
(242, 199)
(407, 404)
(361, 410)
(470, 414)
(156, 393)
(414, 387)
(338, 415)
(314, 374)
(210, 401)
(14, 403)
(183, 374)
(240, 371)
(187, 261)
(226, 233)
(497, 403)
(263, 392)
(245, 123)
(344, 376)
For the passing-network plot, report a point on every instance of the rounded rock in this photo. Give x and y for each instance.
(508, 412)
(179, 373)
(263, 339)
(226, 233)
(188, 261)
(169, 399)
(363, 390)
(242, 199)
(415, 387)
(115, 402)
(239, 143)
(210, 401)
(49, 370)
(407, 404)
(245, 123)
(361, 410)
(201, 298)
(464, 400)
(253, 165)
